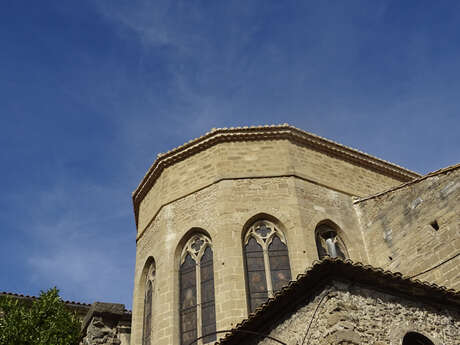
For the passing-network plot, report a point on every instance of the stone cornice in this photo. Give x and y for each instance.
(260, 133)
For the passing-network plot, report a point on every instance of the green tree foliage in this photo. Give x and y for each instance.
(45, 321)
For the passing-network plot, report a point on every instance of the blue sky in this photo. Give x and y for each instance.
(91, 91)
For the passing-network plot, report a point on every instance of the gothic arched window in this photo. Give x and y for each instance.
(329, 243)
(196, 279)
(266, 261)
(414, 338)
(148, 304)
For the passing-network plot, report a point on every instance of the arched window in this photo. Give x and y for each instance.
(329, 243)
(414, 338)
(266, 261)
(149, 287)
(197, 304)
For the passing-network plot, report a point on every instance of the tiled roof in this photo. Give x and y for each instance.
(21, 296)
(322, 272)
(272, 132)
(72, 304)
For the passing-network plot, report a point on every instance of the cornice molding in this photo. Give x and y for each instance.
(261, 133)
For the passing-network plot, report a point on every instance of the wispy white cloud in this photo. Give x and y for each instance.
(175, 69)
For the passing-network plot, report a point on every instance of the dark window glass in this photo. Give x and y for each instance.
(255, 270)
(414, 338)
(147, 329)
(208, 313)
(188, 301)
(279, 264)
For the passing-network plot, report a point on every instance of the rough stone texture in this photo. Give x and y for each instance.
(106, 324)
(222, 189)
(353, 314)
(398, 234)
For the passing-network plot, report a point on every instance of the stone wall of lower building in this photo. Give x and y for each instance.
(106, 324)
(351, 314)
(416, 227)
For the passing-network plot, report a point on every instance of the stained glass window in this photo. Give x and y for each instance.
(329, 243)
(279, 263)
(266, 261)
(255, 268)
(147, 324)
(197, 302)
(208, 313)
(188, 300)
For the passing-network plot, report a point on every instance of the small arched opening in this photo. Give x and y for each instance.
(329, 242)
(414, 338)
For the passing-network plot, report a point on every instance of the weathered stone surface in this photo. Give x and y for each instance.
(106, 324)
(221, 189)
(399, 229)
(371, 318)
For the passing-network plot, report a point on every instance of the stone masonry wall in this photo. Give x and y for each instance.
(355, 315)
(256, 159)
(397, 231)
(224, 210)
(220, 191)
(106, 324)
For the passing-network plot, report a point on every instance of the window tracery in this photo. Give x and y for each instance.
(197, 301)
(148, 304)
(266, 260)
(329, 243)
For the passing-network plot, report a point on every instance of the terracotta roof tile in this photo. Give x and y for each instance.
(17, 295)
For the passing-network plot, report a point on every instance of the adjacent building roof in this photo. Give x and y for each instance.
(257, 133)
(323, 272)
(21, 296)
(81, 308)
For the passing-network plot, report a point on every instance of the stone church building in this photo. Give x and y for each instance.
(231, 225)
(273, 235)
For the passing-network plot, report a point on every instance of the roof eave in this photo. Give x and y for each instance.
(256, 133)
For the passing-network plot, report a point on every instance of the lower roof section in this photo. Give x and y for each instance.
(325, 272)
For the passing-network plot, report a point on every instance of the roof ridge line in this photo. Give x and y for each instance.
(323, 267)
(405, 184)
(283, 131)
(13, 294)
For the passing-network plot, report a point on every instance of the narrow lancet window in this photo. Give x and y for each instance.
(266, 261)
(197, 303)
(329, 243)
(148, 305)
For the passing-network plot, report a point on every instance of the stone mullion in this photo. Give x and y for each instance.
(199, 330)
(268, 276)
